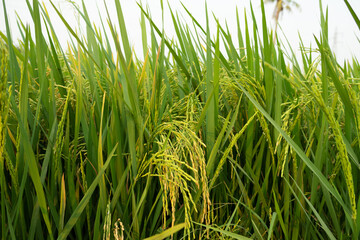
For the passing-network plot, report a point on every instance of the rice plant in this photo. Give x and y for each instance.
(188, 141)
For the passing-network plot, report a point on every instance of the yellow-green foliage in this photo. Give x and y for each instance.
(190, 142)
(3, 98)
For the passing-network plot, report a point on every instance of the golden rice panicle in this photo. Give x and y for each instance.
(341, 155)
(119, 230)
(107, 224)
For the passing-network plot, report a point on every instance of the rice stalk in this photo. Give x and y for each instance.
(4, 104)
(342, 156)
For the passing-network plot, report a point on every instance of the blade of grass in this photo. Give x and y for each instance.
(226, 233)
(167, 232)
(353, 14)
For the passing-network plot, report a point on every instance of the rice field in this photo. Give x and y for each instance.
(197, 137)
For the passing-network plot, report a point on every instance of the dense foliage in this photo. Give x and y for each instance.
(188, 142)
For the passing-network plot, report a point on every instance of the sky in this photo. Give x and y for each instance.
(303, 20)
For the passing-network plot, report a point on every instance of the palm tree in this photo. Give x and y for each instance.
(280, 6)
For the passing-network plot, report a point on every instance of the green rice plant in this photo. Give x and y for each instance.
(189, 142)
(3, 120)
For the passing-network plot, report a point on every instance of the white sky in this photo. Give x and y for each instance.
(304, 20)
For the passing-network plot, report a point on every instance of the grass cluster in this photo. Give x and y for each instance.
(190, 142)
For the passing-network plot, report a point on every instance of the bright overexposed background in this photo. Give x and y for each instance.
(303, 20)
